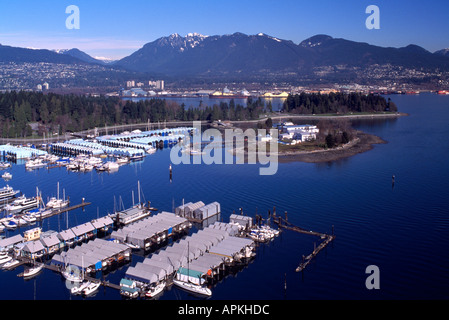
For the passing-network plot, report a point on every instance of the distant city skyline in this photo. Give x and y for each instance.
(114, 29)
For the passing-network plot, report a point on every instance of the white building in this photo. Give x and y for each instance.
(46, 86)
(298, 132)
(159, 84)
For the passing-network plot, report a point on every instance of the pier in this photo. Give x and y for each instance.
(283, 223)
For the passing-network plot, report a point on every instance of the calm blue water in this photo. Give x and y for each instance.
(403, 230)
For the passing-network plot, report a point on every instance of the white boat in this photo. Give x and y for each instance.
(137, 157)
(79, 289)
(7, 176)
(91, 288)
(194, 288)
(33, 271)
(29, 217)
(10, 225)
(122, 160)
(11, 264)
(72, 276)
(4, 165)
(57, 203)
(156, 290)
(188, 285)
(35, 164)
(4, 258)
(111, 166)
(151, 150)
(7, 192)
(22, 204)
(41, 213)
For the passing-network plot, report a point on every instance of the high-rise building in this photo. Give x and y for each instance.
(160, 84)
(46, 86)
(130, 84)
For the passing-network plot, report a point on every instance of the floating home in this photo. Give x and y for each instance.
(152, 230)
(198, 211)
(196, 258)
(93, 256)
(9, 243)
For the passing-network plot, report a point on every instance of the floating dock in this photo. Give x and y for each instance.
(282, 223)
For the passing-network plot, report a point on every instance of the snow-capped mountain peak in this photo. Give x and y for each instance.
(190, 41)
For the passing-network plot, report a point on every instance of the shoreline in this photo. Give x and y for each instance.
(362, 143)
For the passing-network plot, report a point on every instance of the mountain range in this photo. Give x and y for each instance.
(261, 54)
(239, 56)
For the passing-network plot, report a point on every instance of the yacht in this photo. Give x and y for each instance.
(29, 217)
(155, 290)
(22, 204)
(7, 176)
(91, 288)
(4, 165)
(111, 166)
(72, 276)
(35, 164)
(194, 288)
(80, 288)
(7, 192)
(33, 271)
(122, 160)
(57, 203)
(11, 264)
(4, 258)
(10, 225)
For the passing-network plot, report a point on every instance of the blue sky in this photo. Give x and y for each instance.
(118, 28)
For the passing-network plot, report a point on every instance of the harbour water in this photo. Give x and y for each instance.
(401, 228)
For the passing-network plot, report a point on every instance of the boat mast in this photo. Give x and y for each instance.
(138, 190)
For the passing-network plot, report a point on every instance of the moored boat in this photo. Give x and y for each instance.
(33, 271)
(7, 176)
(193, 288)
(11, 264)
(156, 290)
(7, 192)
(4, 258)
(79, 289)
(91, 288)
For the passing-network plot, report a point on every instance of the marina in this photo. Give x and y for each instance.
(80, 252)
(370, 227)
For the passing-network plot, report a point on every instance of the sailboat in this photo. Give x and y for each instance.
(33, 271)
(188, 285)
(84, 284)
(57, 203)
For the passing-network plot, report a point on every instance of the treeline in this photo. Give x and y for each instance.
(341, 103)
(52, 113)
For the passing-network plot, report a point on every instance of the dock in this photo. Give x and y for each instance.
(63, 210)
(283, 223)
